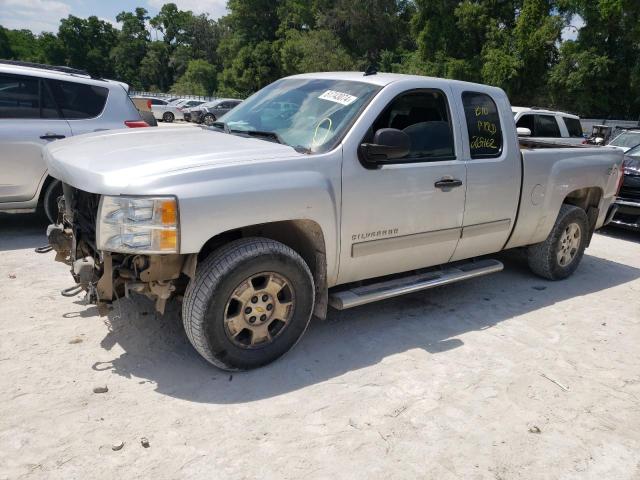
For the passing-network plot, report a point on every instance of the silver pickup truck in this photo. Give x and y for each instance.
(321, 189)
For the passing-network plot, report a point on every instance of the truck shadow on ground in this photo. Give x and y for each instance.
(156, 348)
(22, 230)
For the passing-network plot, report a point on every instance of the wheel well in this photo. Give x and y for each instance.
(584, 198)
(587, 199)
(303, 236)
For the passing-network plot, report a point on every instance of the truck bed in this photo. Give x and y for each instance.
(552, 172)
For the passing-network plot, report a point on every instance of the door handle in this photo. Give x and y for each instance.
(51, 136)
(448, 183)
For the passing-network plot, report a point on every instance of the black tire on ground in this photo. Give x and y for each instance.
(209, 299)
(546, 259)
(208, 119)
(168, 117)
(52, 192)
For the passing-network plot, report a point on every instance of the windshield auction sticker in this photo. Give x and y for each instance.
(338, 97)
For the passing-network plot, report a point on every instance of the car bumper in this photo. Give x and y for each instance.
(627, 213)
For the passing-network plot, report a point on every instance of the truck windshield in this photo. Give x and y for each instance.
(309, 114)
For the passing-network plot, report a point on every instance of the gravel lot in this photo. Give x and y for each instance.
(444, 384)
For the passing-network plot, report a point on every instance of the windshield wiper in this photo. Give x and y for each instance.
(271, 136)
(221, 126)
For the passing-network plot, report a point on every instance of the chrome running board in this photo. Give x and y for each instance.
(357, 296)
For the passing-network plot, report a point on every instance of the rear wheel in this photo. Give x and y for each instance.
(560, 254)
(50, 200)
(168, 117)
(249, 303)
(208, 119)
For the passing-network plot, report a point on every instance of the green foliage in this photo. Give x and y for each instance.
(198, 79)
(514, 44)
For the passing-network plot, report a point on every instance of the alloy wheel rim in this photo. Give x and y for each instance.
(569, 244)
(259, 310)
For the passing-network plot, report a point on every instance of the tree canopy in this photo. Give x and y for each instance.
(517, 45)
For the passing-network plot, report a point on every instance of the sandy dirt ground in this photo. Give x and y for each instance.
(444, 384)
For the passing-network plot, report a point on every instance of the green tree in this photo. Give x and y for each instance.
(87, 44)
(5, 45)
(199, 79)
(599, 73)
(131, 47)
(154, 71)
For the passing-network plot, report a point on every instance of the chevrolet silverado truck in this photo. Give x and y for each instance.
(373, 186)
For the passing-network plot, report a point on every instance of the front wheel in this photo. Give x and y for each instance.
(208, 119)
(249, 303)
(560, 254)
(168, 117)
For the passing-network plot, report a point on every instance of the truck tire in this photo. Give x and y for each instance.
(560, 254)
(249, 303)
(168, 117)
(50, 200)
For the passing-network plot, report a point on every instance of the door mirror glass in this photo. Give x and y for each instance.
(388, 144)
(523, 132)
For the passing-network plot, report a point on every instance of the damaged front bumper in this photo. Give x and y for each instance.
(106, 276)
(110, 276)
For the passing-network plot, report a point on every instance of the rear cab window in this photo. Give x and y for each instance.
(483, 125)
(573, 127)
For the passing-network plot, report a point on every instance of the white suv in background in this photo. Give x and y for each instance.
(40, 104)
(548, 124)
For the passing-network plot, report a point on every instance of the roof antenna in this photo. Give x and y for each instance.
(371, 70)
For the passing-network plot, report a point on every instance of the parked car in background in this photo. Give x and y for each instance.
(266, 219)
(40, 104)
(626, 140)
(209, 112)
(628, 201)
(171, 111)
(548, 125)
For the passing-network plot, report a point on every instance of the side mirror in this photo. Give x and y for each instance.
(388, 144)
(523, 132)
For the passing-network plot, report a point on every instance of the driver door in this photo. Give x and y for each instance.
(407, 215)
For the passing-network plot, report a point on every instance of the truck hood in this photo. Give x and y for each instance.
(109, 162)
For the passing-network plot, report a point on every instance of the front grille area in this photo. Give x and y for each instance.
(630, 188)
(629, 194)
(84, 207)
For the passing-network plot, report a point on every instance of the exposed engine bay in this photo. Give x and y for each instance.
(107, 276)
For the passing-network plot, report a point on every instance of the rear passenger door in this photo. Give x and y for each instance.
(492, 157)
(29, 120)
(408, 214)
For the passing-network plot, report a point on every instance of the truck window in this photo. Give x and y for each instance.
(546, 127)
(573, 126)
(483, 125)
(78, 100)
(424, 116)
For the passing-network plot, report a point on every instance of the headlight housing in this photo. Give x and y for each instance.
(138, 224)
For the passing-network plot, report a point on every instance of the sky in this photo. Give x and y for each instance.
(44, 15)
